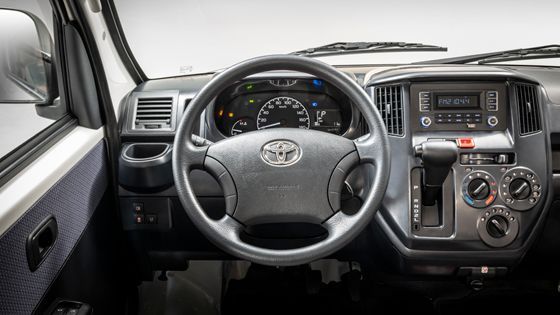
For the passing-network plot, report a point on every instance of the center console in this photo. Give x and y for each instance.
(474, 156)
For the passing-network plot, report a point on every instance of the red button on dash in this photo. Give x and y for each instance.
(465, 143)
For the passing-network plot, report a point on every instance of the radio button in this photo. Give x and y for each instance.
(492, 121)
(492, 94)
(492, 101)
(424, 108)
(477, 115)
(477, 120)
(425, 121)
(424, 94)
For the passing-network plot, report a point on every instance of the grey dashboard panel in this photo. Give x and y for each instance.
(71, 202)
(394, 217)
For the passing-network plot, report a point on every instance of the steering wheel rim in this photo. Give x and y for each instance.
(226, 232)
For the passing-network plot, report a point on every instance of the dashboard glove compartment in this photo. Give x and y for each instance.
(145, 166)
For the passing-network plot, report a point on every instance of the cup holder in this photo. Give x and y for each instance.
(146, 166)
(145, 151)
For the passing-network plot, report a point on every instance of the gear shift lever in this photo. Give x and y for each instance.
(437, 158)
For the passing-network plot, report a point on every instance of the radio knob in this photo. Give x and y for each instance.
(492, 121)
(425, 121)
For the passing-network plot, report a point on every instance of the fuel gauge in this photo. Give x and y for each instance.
(242, 125)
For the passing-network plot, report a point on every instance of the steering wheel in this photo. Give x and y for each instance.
(283, 174)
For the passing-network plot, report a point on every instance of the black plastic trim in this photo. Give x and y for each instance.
(84, 101)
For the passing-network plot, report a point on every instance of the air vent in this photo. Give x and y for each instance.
(153, 113)
(528, 107)
(388, 100)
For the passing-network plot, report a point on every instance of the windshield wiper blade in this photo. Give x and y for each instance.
(341, 48)
(541, 52)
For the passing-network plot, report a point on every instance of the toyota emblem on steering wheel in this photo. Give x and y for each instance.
(281, 153)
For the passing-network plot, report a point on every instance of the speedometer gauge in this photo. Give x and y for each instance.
(283, 111)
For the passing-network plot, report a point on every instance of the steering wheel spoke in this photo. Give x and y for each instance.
(221, 174)
(193, 156)
(371, 150)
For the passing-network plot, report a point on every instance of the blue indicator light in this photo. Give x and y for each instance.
(318, 83)
(314, 104)
(469, 200)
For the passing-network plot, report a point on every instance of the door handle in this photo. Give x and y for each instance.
(40, 242)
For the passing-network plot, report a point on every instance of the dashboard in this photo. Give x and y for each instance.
(492, 203)
(282, 102)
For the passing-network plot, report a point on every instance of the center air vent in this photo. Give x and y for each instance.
(388, 100)
(154, 113)
(528, 106)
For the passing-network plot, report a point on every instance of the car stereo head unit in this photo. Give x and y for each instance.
(456, 100)
(450, 106)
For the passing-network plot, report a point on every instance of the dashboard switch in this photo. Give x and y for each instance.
(465, 143)
(151, 219)
(138, 207)
(139, 219)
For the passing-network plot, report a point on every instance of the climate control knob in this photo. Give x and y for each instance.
(520, 189)
(497, 226)
(478, 189)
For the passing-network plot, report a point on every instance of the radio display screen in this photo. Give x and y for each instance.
(443, 101)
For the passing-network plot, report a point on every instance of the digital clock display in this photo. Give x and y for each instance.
(457, 101)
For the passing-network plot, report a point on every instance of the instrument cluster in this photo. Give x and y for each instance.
(261, 104)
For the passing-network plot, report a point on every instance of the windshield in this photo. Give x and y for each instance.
(178, 37)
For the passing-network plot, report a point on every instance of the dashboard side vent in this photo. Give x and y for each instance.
(154, 113)
(389, 102)
(528, 106)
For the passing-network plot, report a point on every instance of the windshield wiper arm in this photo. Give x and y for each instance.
(341, 48)
(541, 52)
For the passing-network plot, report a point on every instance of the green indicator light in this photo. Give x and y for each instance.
(249, 86)
(251, 101)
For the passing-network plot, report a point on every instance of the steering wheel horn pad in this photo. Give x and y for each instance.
(284, 174)
(272, 194)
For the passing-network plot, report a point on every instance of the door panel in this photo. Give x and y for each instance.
(72, 201)
(22, 191)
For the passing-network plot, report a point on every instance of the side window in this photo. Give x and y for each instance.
(29, 100)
